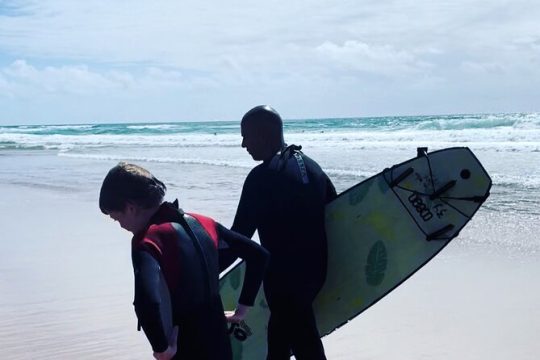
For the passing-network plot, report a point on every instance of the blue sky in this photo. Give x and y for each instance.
(68, 61)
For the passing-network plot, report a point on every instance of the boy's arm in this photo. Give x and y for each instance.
(147, 299)
(255, 257)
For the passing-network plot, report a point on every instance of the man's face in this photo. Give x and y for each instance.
(256, 141)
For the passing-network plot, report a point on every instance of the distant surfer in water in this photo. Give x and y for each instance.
(182, 248)
(284, 198)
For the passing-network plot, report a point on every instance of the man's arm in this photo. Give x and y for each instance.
(331, 193)
(255, 257)
(245, 221)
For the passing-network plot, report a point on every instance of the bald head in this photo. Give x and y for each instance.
(262, 130)
(263, 113)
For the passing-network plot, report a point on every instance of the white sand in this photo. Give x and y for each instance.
(66, 291)
(463, 307)
(65, 280)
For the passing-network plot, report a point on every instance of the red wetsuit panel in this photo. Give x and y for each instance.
(161, 239)
(209, 226)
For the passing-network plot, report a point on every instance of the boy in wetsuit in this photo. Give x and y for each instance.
(182, 249)
(284, 199)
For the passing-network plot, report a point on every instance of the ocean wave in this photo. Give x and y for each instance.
(531, 182)
(12, 145)
(67, 142)
(500, 180)
(153, 127)
(48, 129)
(524, 141)
(514, 132)
(511, 182)
(373, 124)
(360, 174)
(188, 161)
(518, 121)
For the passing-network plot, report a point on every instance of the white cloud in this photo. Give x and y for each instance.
(23, 79)
(206, 37)
(300, 53)
(77, 79)
(4, 87)
(482, 68)
(378, 59)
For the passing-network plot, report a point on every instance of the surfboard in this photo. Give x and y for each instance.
(380, 232)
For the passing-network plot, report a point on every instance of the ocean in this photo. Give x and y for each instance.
(188, 155)
(60, 260)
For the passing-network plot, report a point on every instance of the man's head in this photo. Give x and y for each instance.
(262, 132)
(130, 194)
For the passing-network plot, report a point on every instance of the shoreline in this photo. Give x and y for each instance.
(66, 281)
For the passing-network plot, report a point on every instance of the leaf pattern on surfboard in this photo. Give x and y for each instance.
(376, 264)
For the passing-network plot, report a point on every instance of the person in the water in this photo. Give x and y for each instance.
(284, 198)
(184, 248)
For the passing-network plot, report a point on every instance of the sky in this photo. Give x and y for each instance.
(71, 61)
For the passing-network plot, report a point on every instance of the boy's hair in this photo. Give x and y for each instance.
(130, 183)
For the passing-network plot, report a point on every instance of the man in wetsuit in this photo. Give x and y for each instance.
(284, 198)
(179, 252)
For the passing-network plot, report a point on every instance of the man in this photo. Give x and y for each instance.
(178, 252)
(284, 198)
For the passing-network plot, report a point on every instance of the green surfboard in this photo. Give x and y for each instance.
(380, 232)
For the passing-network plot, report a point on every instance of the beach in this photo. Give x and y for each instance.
(66, 283)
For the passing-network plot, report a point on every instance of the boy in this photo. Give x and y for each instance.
(182, 249)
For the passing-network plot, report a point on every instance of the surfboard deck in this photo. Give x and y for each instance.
(380, 232)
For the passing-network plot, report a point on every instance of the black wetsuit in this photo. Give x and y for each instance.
(284, 199)
(190, 267)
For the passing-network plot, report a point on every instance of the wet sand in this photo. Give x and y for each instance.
(66, 290)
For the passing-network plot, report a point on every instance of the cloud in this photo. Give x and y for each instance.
(5, 87)
(482, 67)
(240, 52)
(375, 59)
(193, 35)
(76, 79)
(529, 42)
(23, 79)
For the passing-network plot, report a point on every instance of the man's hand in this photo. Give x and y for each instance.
(238, 315)
(171, 350)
